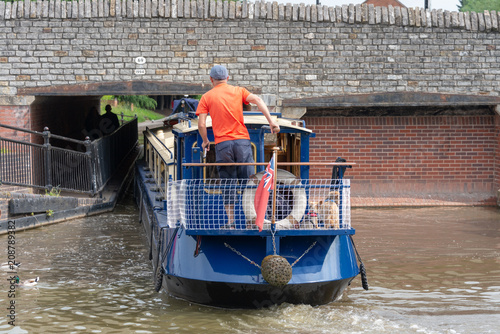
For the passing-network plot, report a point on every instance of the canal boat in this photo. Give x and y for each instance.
(302, 252)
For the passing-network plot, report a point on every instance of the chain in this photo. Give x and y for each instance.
(243, 256)
(274, 241)
(274, 246)
(307, 251)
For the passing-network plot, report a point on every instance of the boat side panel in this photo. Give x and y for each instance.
(319, 258)
(152, 220)
(215, 261)
(143, 201)
(236, 259)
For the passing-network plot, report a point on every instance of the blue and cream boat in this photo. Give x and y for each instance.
(305, 252)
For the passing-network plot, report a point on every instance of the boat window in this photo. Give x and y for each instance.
(175, 150)
(290, 144)
(210, 172)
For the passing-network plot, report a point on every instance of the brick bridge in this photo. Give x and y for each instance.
(411, 95)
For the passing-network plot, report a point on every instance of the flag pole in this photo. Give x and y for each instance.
(273, 219)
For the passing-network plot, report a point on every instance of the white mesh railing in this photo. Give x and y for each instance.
(212, 204)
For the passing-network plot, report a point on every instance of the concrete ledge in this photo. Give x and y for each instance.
(423, 201)
(41, 204)
(28, 222)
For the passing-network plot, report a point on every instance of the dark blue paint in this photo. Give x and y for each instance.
(330, 264)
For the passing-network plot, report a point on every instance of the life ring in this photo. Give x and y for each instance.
(289, 211)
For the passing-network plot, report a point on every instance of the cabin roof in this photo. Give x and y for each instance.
(184, 126)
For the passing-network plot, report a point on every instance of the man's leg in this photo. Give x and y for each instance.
(230, 215)
(228, 175)
(243, 153)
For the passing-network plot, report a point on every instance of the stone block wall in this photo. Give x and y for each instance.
(291, 51)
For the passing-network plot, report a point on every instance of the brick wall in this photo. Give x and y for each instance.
(17, 116)
(497, 153)
(410, 154)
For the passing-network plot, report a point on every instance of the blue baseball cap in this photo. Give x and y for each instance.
(218, 72)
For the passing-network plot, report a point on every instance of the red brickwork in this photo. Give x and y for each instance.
(497, 155)
(384, 3)
(64, 116)
(411, 154)
(17, 116)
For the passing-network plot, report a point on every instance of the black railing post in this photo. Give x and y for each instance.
(91, 169)
(47, 157)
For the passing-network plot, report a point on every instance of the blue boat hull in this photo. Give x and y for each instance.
(221, 268)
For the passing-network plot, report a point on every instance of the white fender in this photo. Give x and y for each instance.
(299, 200)
(176, 204)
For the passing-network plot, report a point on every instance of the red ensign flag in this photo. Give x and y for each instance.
(262, 194)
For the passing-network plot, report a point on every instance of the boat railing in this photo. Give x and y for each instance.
(160, 160)
(309, 204)
(208, 204)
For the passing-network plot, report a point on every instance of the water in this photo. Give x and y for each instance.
(430, 270)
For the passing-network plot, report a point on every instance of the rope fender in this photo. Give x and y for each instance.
(362, 270)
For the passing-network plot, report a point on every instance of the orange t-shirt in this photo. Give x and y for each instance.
(224, 103)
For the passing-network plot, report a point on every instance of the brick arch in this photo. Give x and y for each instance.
(135, 87)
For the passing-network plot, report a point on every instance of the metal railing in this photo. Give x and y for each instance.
(110, 151)
(300, 204)
(86, 167)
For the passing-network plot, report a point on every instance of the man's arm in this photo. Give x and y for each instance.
(202, 129)
(254, 99)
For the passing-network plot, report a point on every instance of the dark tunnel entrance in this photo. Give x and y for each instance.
(63, 109)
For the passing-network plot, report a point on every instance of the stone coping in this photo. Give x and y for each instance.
(260, 10)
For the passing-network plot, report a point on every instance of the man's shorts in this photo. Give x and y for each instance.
(239, 150)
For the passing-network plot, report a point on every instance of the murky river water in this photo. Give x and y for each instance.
(430, 270)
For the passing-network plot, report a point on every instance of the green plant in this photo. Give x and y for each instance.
(49, 213)
(140, 101)
(54, 191)
(478, 6)
(142, 114)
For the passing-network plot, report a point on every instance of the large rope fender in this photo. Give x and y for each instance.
(276, 270)
(299, 202)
